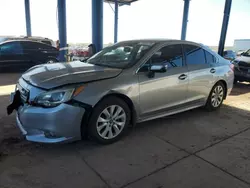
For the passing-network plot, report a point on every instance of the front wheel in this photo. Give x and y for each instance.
(109, 120)
(216, 97)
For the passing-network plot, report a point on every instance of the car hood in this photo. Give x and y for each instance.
(49, 76)
(243, 58)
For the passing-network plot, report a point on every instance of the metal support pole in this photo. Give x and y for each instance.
(61, 5)
(97, 24)
(116, 21)
(185, 19)
(27, 16)
(223, 34)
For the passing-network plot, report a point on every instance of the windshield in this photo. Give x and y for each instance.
(121, 55)
(247, 53)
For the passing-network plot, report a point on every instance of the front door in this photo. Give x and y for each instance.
(167, 90)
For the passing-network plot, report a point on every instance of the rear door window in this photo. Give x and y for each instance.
(210, 59)
(28, 45)
(194, 55)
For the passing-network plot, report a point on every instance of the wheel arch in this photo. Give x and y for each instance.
(127, 100)
(225, 85)
(90, 109)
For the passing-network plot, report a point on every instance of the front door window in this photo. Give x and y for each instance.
(11, 48)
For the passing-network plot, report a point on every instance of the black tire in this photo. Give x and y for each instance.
(97, 111)
(209, 106)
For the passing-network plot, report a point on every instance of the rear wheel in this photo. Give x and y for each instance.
(109, 120)
(216, 97)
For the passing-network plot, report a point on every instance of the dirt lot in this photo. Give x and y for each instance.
(191, 149)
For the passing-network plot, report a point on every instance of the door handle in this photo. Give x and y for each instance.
(212, 70)
(182, 77)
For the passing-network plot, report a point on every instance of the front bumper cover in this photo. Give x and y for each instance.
(50, 125)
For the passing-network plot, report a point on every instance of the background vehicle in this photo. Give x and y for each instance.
(20, 55)
(36, 39)
(80, 54)
(239, 53)
(242, 67)
(241, 45)
(129, 82)
(229, 55)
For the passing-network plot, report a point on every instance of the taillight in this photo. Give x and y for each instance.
(231, 66)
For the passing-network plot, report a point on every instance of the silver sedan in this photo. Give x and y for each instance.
(127, 83)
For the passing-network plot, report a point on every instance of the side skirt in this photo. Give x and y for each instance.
(171, 110)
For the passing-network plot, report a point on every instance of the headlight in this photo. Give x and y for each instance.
(54, 98)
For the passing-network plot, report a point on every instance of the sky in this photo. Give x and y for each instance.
(143, 19)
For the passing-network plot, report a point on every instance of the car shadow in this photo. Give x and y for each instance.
(12, 143)
(240, 88)
(197, 113)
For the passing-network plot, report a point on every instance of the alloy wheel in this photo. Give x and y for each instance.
(111, 122)
(217, 96)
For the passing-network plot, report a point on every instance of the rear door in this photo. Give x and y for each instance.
(38, 53)
(30, 53)
(12, 58)
(200, 74)
(48, 52)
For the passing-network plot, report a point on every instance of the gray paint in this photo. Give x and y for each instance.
(152, 98)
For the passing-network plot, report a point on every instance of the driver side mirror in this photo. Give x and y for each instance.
(156, 69)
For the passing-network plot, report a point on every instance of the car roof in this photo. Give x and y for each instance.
(24, 40)
(34, 37)
(25, 37)
(162, 41)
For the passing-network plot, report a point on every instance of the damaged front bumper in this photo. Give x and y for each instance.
(50, 125)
